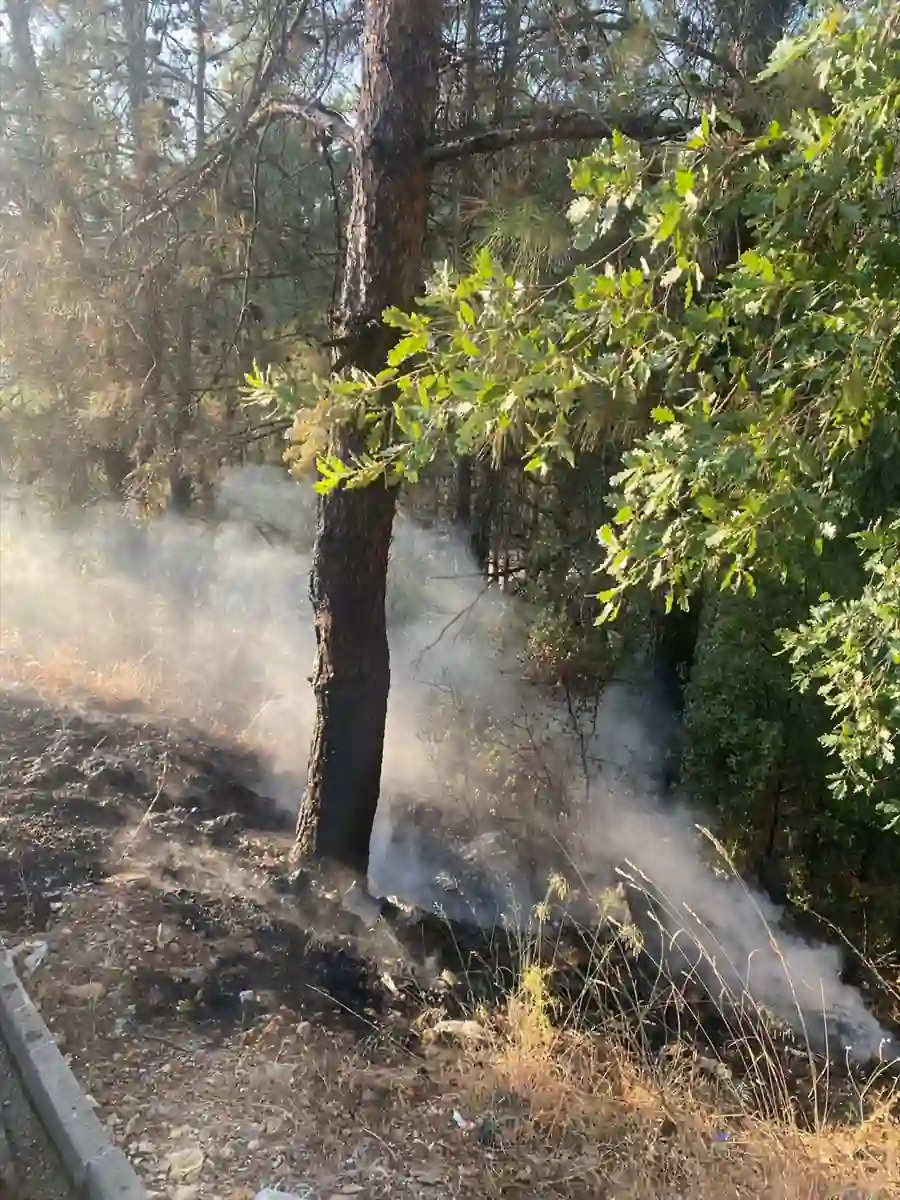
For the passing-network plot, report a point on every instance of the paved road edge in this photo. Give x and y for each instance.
(98, 1170)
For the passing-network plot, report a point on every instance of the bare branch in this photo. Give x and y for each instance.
(325, 121)
(685, 39)
(577, 126)
(252, 114)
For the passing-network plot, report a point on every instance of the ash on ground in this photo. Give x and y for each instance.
(88, 795)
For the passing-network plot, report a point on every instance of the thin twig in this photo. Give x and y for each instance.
(453, 621)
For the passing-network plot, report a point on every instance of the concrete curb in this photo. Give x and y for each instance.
(97, 1169)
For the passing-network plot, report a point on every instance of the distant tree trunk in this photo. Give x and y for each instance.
(18, 14)
(752, 30)
(181, 489)
(506, 84)
(181, 485)
(149, 324)
(387, 225)
(464, 466)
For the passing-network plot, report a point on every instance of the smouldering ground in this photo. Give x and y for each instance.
(233, 1038)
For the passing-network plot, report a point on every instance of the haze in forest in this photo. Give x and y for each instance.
(209, 621)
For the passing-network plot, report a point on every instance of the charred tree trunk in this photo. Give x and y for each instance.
(389, 212)
(675, 638)
(462, 509)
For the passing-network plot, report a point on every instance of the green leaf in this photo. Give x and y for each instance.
(788, 51)
(413, 343)
(757, 265)
(684, 181)
(669, 222)
(607, 536)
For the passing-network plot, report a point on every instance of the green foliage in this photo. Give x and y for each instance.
(755, 400)
(749, 735)
(136, 286)
(849, 651)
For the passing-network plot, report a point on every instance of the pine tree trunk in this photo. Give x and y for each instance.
(467, 181)
(389, 212)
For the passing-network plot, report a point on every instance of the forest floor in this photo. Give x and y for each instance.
(236, 1031)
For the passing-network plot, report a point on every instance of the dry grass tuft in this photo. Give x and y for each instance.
(593, 1112)
(588, 1116)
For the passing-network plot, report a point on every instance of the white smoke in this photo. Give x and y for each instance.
(210, 622)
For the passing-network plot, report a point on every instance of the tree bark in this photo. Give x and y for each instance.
(149, 324)
(387, 225)
(181, 485)
(509, 61)
(752, 29)
(466, 184)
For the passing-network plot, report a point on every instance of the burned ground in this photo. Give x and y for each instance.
(88, 795)
(213, 997)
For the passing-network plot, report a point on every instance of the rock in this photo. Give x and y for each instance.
(465, 1031)
(182, 1164)
(87, 993)
(186, 1191)
(362, 905)
(713, 1067)
(430, 1178)
(32, 961)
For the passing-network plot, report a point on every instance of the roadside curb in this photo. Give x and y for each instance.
(97, 1169)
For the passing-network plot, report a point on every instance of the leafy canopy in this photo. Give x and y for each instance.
(738, 336)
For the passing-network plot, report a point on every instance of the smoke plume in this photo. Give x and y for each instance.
(491, 783)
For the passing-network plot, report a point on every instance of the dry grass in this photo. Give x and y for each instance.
(621, 1126)
(528, 1112)
(60, 672)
